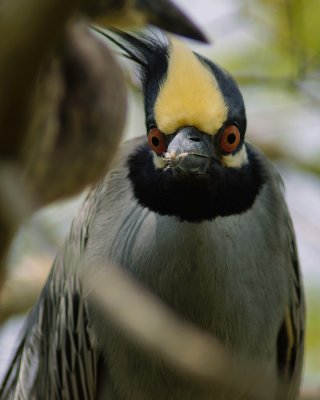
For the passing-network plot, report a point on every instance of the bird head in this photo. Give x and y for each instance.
(196, 160)
(195, 113)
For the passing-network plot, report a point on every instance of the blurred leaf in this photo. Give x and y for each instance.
(296, 29)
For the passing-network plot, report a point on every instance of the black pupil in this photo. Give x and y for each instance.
(231, 138)
(155, 141)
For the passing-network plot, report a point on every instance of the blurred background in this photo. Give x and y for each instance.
(272, 47)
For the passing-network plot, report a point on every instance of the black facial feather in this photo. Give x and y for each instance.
(194, 198)
(150, 52)
(131, 55)
(154, 51)
(231, 94)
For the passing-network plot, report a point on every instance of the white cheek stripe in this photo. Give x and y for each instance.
(236, 160)
(159, 162)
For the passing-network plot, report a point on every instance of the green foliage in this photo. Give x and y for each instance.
(313, 332)
(296, 31)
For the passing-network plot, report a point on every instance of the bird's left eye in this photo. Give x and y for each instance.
(157, 141)
(230, 139)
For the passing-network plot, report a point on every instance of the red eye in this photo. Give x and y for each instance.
(157, 141)
(230, 139)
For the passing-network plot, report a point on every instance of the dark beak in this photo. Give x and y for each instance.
(166, 15)
(191, 151)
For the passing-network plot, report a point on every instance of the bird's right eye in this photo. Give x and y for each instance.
(230, 139)
(157, 141)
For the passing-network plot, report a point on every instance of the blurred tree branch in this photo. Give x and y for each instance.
(62, 108)
(23, 287)
(29, 30)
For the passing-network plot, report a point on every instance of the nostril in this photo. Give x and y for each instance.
(194, 138)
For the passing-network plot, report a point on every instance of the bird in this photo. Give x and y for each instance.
(197, 215)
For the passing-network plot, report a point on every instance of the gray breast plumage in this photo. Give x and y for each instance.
(229, 275)
(232, 276)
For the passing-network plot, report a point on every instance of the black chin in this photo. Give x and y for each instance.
(194, 197)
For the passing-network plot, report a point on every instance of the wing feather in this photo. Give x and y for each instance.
(57, 358)
(291, 334)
